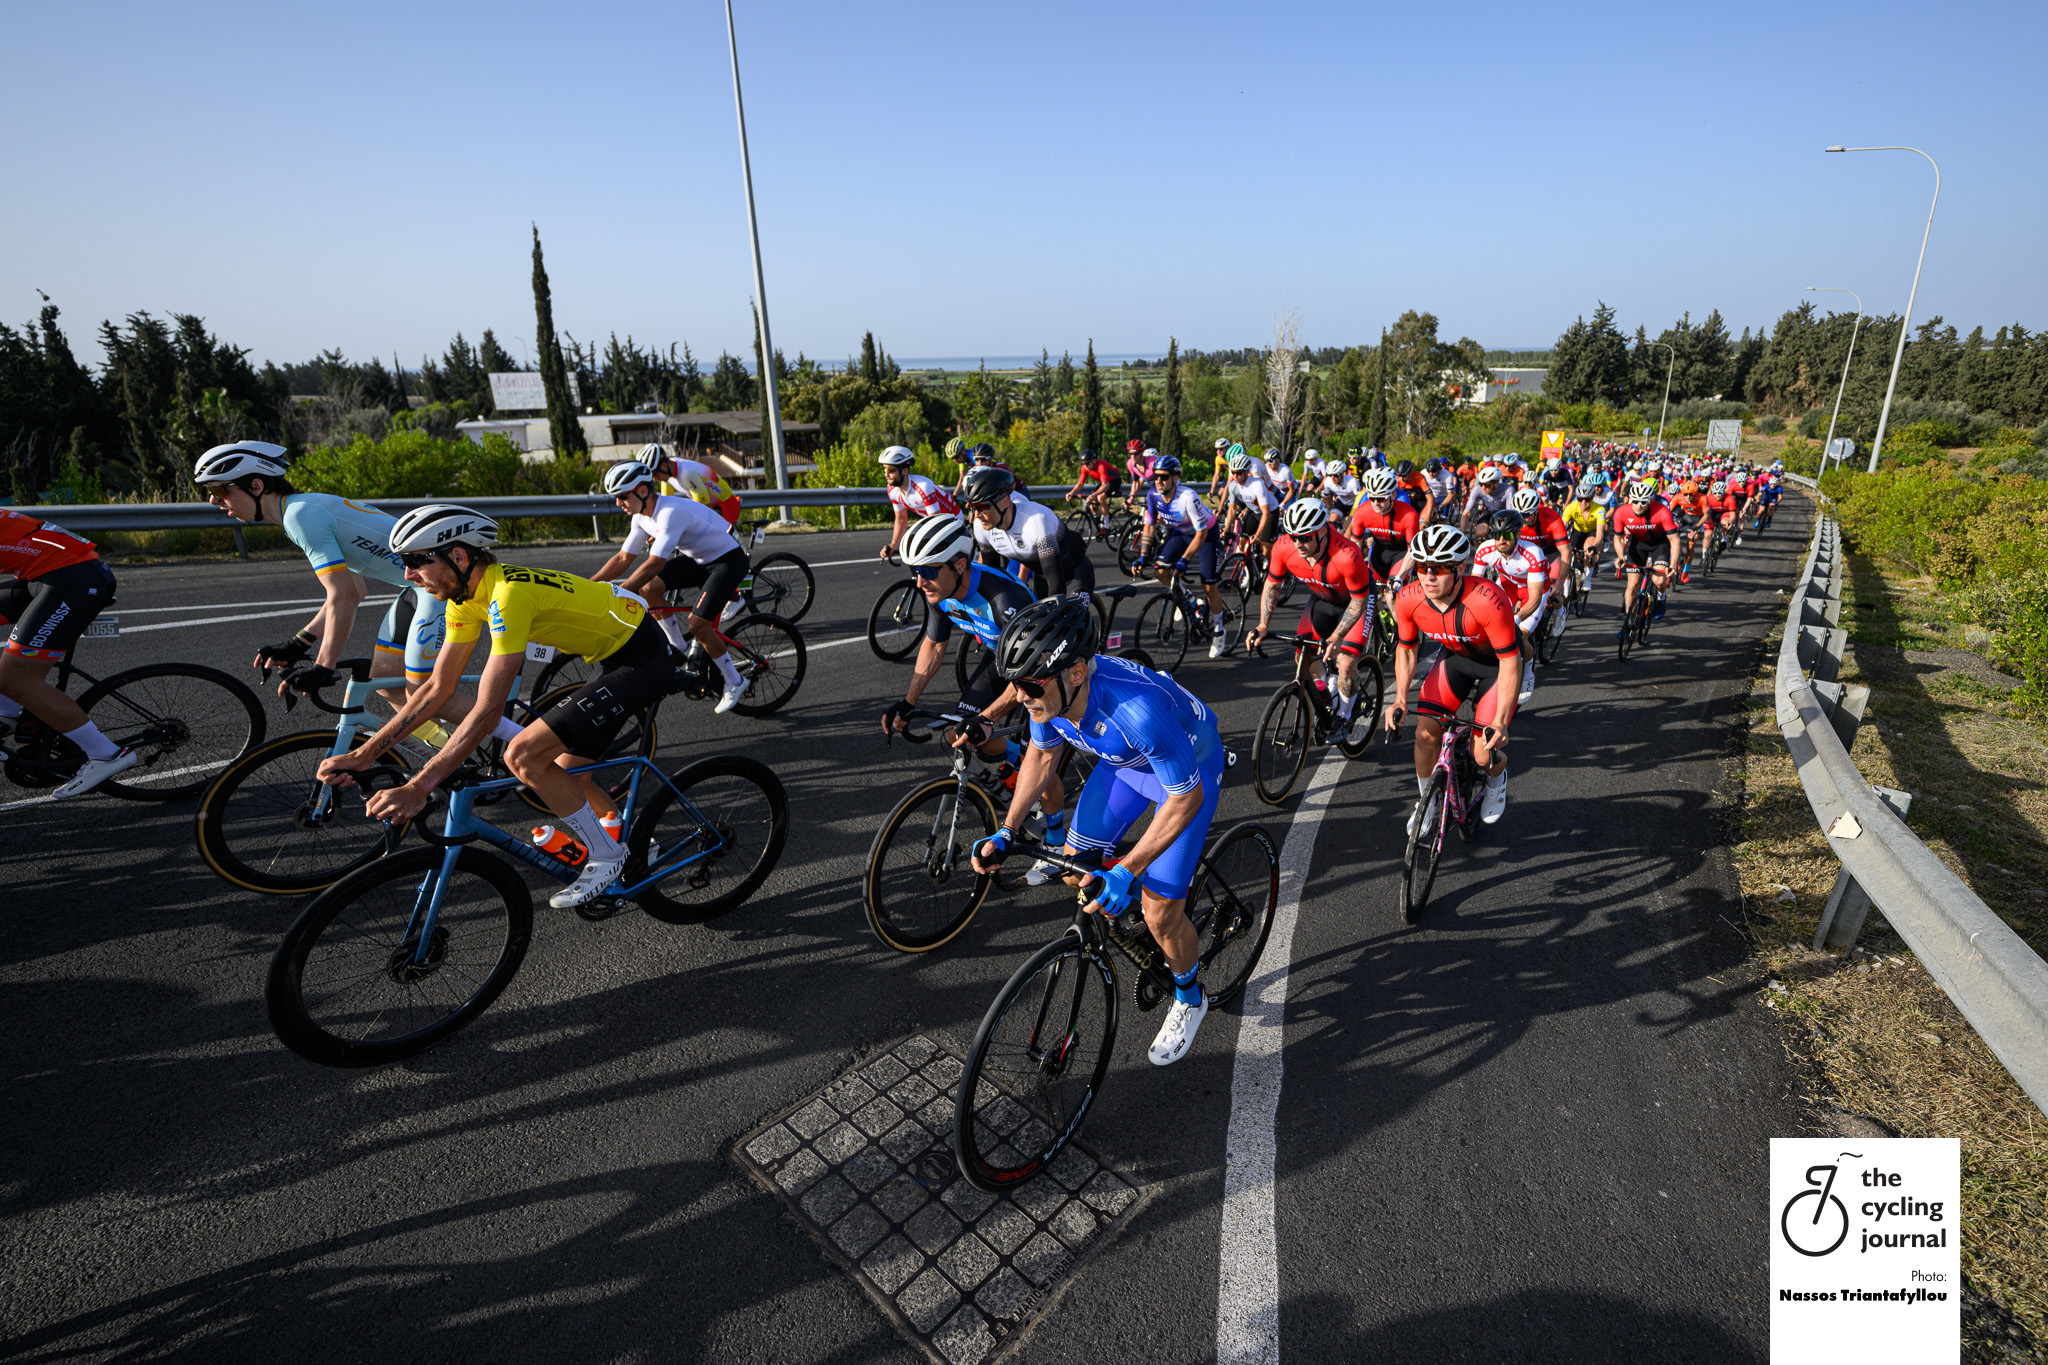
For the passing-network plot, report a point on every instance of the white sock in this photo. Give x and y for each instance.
(585, 825)
(1497, 780)
(672, 626)
(1421, 787)
(9, 708)
(507, 729)
(732, 675)
(1345, 701)
(95, 744)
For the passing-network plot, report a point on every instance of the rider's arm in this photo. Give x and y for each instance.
(426, 701)
(644, 579)
(492, 688)
(896, 535)
(337, 615)
(930, 654)
(1034, 775)
(619, 563)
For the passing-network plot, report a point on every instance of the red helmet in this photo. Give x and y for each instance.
(1134, 447)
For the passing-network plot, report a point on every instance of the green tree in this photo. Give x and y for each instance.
(1091, 402)
(1134, 410)
(1171, 440)
(870, 360)
(1041, 386)
(565, 431)
(1378, 424)
(1346, 390)
(1590, 361)
(1063, 378)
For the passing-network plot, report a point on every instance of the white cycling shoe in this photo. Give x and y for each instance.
(589, 884)
(1528, 684)
(1219, 643)
(1177, 1034)
(1041, 872)
(95, 771)
(735, 693)
(1493, 801)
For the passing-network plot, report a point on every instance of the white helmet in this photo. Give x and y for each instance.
(1223, 443)
(1150, 453)
(1311, 454)
(1641, 491)
(1442, 543)
(652, 455)
(896, 455)
(625, 476)
(1718, 489)
(937, 539)
(440, 525)
(1490, 474)
(1525, 501)
(1379, 483)
(1241, 463)
(1304, 517)
(238, 460)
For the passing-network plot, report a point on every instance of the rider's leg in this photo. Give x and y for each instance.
(1172, 930)
(539, 758)
(22, 680)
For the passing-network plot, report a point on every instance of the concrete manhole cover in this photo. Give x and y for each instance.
(866, 1164)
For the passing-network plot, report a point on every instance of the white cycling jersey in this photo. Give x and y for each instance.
(1033, 527)
(1184, 511)
(921, 497)
(1282, 479)
(681, 526)
(1253, 495)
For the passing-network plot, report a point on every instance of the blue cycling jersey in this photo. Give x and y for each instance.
(1139, 720)
(993, 597)
(338, 534)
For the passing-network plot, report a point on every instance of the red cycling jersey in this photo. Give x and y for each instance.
(30, 547)
(1340, 575)
(1393, 528)
(1479, 625)
(1548, 525)
(1634, 525)
(1101, 471)
(1723, 504)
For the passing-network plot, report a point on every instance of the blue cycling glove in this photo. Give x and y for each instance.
(1000, 842)
(1114, 895)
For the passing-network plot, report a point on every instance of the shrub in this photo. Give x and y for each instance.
(1770, 424)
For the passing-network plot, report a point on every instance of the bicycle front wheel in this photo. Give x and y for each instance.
(268, 824)
(1367, 710)
(1281, 746)
(1552, 638)
(357, 983)
(188, 722)
(920, 888)
(783, 586)
(1163, 630)
(1231, 903)
(770, 655)
(706, 838)
(1037, 1064)
(1425, 848)
(897, 622)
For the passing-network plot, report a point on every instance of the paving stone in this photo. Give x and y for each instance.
(927, 1300)
(860, 1229)
(938, 1115)
(932, 1228)
(912, 1093)
(1005, 1228)
(869, 1168)
(1002, 1117)
(915, 1052)
(1039, 1198)
(840, 1144)
(968, 1261)
(813, 1119)
(891, 1264)
(900, 1198)
(1041, 1259)
(1072, 1167)
(1004, 1297)
(907, 1141)
(1075, 1225)
(848, 1094)
(773, 1145)
(828, 1199)
(884, 1072)
(800, 1172)
(1108, 1194)
(943, 1072)
(964, 1339)
(877, 1117)
(967, 1201)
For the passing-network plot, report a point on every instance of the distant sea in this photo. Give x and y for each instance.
(1004, 362)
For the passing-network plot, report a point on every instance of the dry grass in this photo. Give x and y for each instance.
(1875, 1033)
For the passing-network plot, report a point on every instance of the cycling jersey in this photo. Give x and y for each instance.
(31, 547)
(338, 534)
(701, 482)
(1478, 626)
(1342, 489)
(1037, 538)
(921, 497)
(1102, 472)
(523, 606)
(1486, 502)
(1726, 505)
(1340, 575)
(1633, 524)
(1520, 570)
(1443, 486)
(1139, 468)
(1690, 506)
(681, 526)
(992, 598)
(1583, 516)
(1184, 511)
(1545, 531)
(1253, 495)
(1282, 479)
(1391, 530)
(1412, 489)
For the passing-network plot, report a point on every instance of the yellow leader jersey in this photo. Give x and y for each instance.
(522, 606)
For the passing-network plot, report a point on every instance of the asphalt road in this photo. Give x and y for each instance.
(1533, 1127)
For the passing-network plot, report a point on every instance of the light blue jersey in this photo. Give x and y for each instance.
(338, 536)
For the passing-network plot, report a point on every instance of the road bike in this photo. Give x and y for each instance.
(187, 721)
(1174, 617)
(776, 585)
(1113, 528)
(1548, 636)
(896, 623)
(1716, 546)
(1042, 1052)
(1581, 575)
(1635, 622)
(1300, 716)
(1450, 800)
(767, 650)
(402, 953)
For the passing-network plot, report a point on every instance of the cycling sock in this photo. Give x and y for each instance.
(95, 744)
(589, 828)
(672, 626)
(732, 675)
(507, 729)
(1421, 787)
(9, 708)
(1055, 829)
(1184, 988)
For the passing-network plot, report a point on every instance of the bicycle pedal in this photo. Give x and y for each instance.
(601, 908)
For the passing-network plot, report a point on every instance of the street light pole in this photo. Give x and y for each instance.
(772, 434)
(1668, 368)
(1884, 413)
(1822, 289)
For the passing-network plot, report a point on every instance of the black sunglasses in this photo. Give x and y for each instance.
(1034, 688)
(418, 559)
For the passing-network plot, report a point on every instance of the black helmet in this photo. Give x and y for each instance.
(984, 451)
(1405, 468)
(986, 483)
(1505, 524)
(1048, 637)
(1087, 455)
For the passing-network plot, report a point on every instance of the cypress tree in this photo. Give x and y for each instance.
(1377, 431)
(1169, 432)
(1134, 410)
(1063, 378)
(1091, 402)
(566, 432)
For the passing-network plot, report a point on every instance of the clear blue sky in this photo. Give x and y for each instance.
(989, 179)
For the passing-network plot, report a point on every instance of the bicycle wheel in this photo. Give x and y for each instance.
(783, 586)
(897, 622)
(1281, 745)
(967, 658)
(1127, 554)
(1084, 525)
(1119, 528)
(1036, 1066)
(1367, 710)
(1162, 631)
(268, 824)
(1552, 636)
(188, 722)
(1626, 640)
(1425, 848)
(1231, 903)
(349, 986)
(1645, 607)
(771, 658)
(712, 833)
(920, 888)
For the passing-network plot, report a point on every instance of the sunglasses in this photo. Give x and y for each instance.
(928, 573)
(1432, 570)
(416, 559)
(1033, 688)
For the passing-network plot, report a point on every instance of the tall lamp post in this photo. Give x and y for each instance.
(772, 435)
(1884, 414)
(1823, 289)
(1668, 368)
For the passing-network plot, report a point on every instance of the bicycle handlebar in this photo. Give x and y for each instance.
(953, 718)
(358, 670)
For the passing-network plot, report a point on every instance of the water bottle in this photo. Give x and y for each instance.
(561, 844)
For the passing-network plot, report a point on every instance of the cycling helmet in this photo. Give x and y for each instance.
(1442, 543)
(1489, 474)
(1223, 443)
(1236, 449)
(1166, 464)
(1641, 492)
(1133, 446)
(238, 460)
(1588, 489)
(1719, 488)
(896, 455)
(1087, 456)
(1311, 454)
(1525, 501)
(1379, 483)
(1507, 525)
(440, 525)
(1304, 517)
(1150, 454)
(625, 476)
(1241, 463)
(1048, 637)
(1405, 468)
(1272, 454)
(985, 483)
(984, 453)
(957, 449)
(939, 538)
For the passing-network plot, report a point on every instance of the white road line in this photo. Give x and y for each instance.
(207, 621)
(1248, 1282)
(166, 773)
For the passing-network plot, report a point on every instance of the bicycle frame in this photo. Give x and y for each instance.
(1456, 732)
(353, 704)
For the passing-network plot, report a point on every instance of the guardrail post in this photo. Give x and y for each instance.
(1849, 904)
(842, 516)
(241, 545)
(1844, 704)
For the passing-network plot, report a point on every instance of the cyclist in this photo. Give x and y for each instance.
(1518, 566)
(1725, 509)
(60, 585)
(1246, 497)
(910, 494)
(1158, 746)
(1340, 489)
(687, 546)
(690, 479)
(1443, 488)
(1384, 525)
(1556, 481)
(1489, 495)
(1138, 463)
(1542, 530)
(1341, 593)
(980, 600)
(1094, 468)
(1688, 511)
(1585, 523)
(450, 551)
(1177, 524)
(1219, 465)
(1640, 525)
(1009, 528)
(1473, 622)
(962, 454)
(1767, 502)
(1410, 487)
(1279, 475)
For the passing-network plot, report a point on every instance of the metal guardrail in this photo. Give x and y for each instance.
(1994, 978)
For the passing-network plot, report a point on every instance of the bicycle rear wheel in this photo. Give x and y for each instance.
(1367, 710)
(1552, 638)
(712, 833)
(783, 586)
(920, 888)
(1281, 746)
(897, 622)
(1162, 632)
(771, 658)
(188, 722)
(349, 986)
(1036, 1066)
(1231, 903)
(270, 825)
(967, 658)
(1425, 848)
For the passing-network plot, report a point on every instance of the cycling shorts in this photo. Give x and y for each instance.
(719, 581)
(633, 678)
(414, 625)
(1453, 681)
(1384, 555)
(1320, 617)
(50, 610)
(1170, 550)
(1112, 801)
(1640, 552)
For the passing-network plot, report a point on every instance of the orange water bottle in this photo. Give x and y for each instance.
(561, 844)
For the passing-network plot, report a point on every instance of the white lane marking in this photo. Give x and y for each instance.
(216, 606)
(208, 621)
(1248, 1282)
(166, 773)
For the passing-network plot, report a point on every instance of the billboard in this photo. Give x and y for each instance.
(1724, 433)
(524, 392)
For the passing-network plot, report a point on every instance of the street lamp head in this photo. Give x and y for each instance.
(1834, 149)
